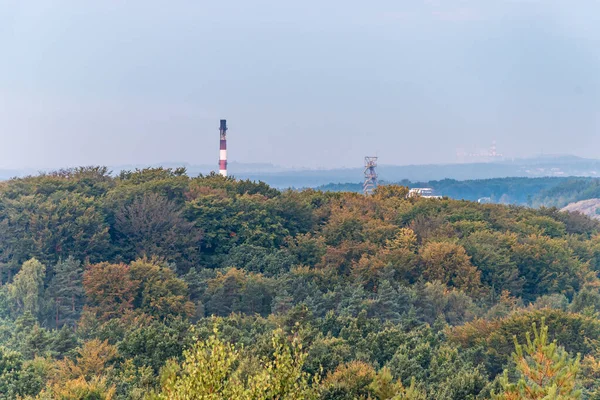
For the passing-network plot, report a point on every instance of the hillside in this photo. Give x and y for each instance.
(155, 285)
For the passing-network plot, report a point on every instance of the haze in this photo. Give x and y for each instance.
(307, 83)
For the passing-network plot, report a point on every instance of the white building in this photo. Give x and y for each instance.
(426, 193)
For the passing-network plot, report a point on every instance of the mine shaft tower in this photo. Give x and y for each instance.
(370, 175)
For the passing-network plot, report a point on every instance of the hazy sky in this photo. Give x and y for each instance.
(314, 83)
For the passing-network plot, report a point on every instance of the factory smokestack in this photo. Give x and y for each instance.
(223, 148)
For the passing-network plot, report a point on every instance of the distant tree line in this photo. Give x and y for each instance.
(533, 192)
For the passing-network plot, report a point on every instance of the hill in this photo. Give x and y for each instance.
(155, 285)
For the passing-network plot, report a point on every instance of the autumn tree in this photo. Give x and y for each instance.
(450, 264)
(391, 191)
(110, 289)
(159, 292)
(351, 380)
(85, 376)
(575, 332)
(399, 255)
(144, 285)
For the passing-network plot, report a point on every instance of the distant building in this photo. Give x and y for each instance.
(426, 193)
(480, 155)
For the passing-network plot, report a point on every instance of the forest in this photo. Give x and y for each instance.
(155, 285)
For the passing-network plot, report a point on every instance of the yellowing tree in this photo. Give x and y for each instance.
(85, 377)
(207, 373)
(78, 389)
(213, 369)
(450, 264)
(546, 371)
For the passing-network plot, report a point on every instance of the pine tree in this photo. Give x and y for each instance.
(64, 341)
(353, 302)
(546, 371)
(66, 292)
(384, 386)
(282, 302)
(386, 305)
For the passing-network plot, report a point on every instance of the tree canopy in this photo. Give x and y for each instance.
(155, 285)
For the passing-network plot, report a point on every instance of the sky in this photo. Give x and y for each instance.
(311, 83)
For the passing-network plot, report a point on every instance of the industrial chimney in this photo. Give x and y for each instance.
(223, 148)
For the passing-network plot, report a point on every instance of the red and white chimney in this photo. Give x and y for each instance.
(223, 148)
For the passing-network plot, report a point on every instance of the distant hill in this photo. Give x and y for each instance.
(281, 177)
(547, 166)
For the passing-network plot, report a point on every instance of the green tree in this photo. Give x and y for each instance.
(11, 363)
(64, 341)
(27, 288)
(491, 253)
(19, 377)
(151, 225)
(549, 265)
(52, 227)
(389, 302)
(151, 345)
(238, 291)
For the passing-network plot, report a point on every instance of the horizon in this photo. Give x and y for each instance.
(214, 166)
